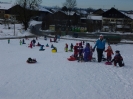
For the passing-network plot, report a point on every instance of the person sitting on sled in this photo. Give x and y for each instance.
(38, 44)
(54, 48)
(31, 60)
(109, 53)
(118, 59)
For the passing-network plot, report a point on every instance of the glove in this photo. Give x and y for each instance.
(93, 49)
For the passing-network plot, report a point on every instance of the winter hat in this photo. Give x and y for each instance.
(101, 35)
(109, 47)
(88, 44)
(117, 51)
(80, 44)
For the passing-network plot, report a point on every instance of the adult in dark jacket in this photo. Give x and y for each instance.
(100, 44)
(80, 49)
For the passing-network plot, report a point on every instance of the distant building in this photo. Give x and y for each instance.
(114, 20)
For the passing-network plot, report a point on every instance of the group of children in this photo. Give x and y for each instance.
(118, 59)
(85, 53)
(81, 53)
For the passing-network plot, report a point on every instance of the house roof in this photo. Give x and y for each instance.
(41, 8)
(82, 11)
(94, 17)
(128, 15)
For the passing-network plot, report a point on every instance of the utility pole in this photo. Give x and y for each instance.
(14, 28)
(14, 24)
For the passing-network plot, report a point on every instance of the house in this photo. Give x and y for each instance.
(98, 12)
(4, 13)
(61, 19)
(115, 20)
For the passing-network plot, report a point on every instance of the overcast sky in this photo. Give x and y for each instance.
(105, 4)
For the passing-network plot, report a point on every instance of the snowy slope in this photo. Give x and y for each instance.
(54, 77)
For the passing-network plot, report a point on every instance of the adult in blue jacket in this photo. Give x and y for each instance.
(100, 45)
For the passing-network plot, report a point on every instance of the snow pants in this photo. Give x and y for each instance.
(99, 54)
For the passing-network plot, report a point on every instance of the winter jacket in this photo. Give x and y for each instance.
(66, 46)
(71, 46)
(117, 58)
(109, 52)
(86, 53)
(100, 44)
(75, 49)
(80, 49)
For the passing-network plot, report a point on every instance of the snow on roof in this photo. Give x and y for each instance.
(93, 17)
(82, 11)
(71, 13)
(5, 6)
(128, 15)
(131, 16)
(41, 8)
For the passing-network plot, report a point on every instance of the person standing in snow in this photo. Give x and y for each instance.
(80, 49)
(34, 41)
(100, 44)
(8, 41)
(86, 52)
(76, 50)
(66, 48)
(91, 53)
(109, 53)
(71, 47)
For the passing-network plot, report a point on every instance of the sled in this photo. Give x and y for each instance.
(41, 49)
(53, 51)
(108, 63)
(31, 62)
(71, 59)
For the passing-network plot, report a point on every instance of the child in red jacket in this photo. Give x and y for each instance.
(76, 50)
(109, 53)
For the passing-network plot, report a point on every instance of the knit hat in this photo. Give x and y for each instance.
(101, 35)
(117, 51)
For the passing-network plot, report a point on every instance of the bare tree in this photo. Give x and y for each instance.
(28, 9)
(69, 4)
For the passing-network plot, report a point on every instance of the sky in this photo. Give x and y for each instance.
(96, 4)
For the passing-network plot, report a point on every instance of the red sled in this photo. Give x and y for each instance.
(108, 63)
(71, 59)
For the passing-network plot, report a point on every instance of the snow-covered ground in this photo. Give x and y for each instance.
(54, 77)
(5, 32)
